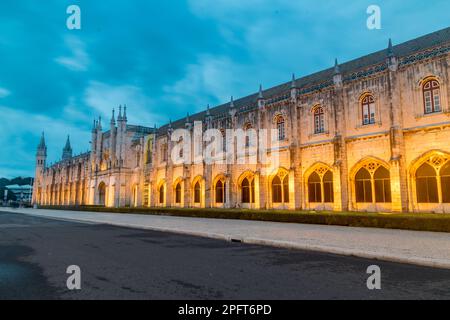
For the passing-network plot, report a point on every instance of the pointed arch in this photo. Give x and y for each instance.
(220, 189)
(319, 183)
(101, 194)
(429, 175)
(246, 183)
(371, 181)
(178, 191)
(197, 187)
(161, 189)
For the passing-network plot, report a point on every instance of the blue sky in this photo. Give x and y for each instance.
(166, 58)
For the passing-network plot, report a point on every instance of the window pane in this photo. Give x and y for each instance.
(161, 194)
(363, 174)
(427, 190)
(359, 188)
(276, 193)
(252, 191)
(328, 190)
(178, 194)
(245, 191)
(428, 104)
(437, 100)
(315, 192)
(286, 189)
(219, 192)
(445, 182)
(367, 191)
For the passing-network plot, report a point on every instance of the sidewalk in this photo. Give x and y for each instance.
(412, 247)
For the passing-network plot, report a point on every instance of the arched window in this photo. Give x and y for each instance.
(320, 186)
(276, 190)
(102, 194)
(286, 189)
(368, 110)
(220, 191)
(328, 187)
(281, 128)
(197, 193)
(314, 188)
(319, 120)
(248, 191)
(373, 184)
(363, 186)
(382, 185)
(426, 184)
(178, 193)
(445, 183)
(280, 188)
(161, 194)
(431, 96)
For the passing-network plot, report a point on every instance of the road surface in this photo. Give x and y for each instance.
(123, 263)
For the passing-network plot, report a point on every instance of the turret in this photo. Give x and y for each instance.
(261, 101)
(41, 157)
(113, 139)
(293, 87)
(41, 154)
(67, 151)
(337, 75)
(392, 61)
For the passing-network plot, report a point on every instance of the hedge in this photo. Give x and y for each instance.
(419, 222)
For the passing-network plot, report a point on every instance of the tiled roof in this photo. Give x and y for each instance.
(405, 49)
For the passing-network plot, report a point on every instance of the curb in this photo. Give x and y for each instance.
(424, 262)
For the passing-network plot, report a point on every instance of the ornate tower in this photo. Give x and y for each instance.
(41, 157)
(67, 151)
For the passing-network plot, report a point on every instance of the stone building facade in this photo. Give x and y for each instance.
(369, 135)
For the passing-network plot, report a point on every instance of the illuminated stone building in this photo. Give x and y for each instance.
(371, 134)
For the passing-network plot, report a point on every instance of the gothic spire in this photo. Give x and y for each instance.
(125, 112)
(260, 94)
(113, 118)
(337, 69)
(390, 51)
(67, 151)
(232, 103)
(293, 82)
(42, 145)
(119, 117)
(208, 112)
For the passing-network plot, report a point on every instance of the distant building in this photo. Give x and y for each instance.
(371, 135)
(22, 193)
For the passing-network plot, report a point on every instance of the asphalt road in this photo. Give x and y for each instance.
(122, 263)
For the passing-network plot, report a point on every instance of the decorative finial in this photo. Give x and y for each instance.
(119, 117)
(293, 82)
(232, 102)
(113, 118)
(337, 69)
(124, 112)
(260, 95)
(390, 48)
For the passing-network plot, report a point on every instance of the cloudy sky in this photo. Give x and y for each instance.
(166, 58)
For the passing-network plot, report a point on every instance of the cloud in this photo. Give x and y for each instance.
(102, 98)
(4, 92)
(79, 59)
(20, 133)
